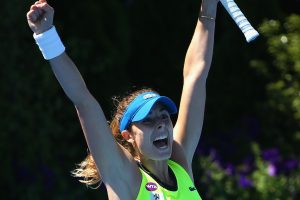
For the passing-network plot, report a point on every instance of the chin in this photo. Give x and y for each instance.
(162, 154)
(162, 158)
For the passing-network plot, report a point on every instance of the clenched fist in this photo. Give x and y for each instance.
(40, 16)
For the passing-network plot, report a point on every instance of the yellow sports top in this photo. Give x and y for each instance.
(153, 189)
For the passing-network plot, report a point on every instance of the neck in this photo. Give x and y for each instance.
(159, 169)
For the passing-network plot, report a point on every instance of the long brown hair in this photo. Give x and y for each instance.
(87, 169)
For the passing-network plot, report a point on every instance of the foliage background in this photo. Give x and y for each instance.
(249, 145)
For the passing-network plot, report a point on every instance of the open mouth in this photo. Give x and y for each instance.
(161, 142)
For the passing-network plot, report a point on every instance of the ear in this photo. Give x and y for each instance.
(127, 136)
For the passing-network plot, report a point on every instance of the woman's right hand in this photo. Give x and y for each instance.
(40, 17)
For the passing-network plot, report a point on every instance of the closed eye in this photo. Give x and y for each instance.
(165, 116)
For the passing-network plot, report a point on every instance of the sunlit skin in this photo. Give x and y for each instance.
(142, 134)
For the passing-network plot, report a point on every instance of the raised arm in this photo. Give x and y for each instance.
(198, 59)
(96, 130)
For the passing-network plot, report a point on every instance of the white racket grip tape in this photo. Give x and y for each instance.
(240, 19)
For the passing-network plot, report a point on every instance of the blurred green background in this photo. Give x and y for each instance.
(249, 147)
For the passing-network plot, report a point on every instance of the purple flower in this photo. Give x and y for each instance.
(213, 153)
(272, 170)
(291, 164)
(215, 156)
(244, 182)
(229, 169)
(271, 155)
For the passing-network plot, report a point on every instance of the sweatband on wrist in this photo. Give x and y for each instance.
(49, 43)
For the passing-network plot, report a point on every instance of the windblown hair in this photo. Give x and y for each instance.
(87, 169)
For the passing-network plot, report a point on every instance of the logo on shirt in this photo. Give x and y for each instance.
(192, 189)
(156, 196)
(151, 186)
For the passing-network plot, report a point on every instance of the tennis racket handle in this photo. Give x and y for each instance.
(240, 19)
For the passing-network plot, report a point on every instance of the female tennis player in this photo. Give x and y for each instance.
(139, 154)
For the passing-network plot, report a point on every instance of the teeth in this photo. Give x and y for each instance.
(160, 137)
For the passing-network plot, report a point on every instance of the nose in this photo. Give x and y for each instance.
(161, 124)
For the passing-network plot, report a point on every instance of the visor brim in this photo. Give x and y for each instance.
(146, 108)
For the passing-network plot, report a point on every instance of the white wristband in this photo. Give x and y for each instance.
(49, 43)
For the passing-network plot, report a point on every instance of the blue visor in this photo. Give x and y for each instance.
(140, 107)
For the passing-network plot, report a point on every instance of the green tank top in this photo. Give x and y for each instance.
(152, 189)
